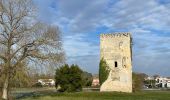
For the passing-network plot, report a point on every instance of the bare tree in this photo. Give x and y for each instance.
(23, 39)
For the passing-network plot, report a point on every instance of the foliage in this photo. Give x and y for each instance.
(150, 83)
(87, 79)
(69, 79)
(21, 77)
(38, 84)
(137, 81)
(103, 71)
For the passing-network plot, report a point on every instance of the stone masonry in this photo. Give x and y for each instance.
(116, 49)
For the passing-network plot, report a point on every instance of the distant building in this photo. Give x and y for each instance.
(47, 82)
(162, 82)
(95, 82)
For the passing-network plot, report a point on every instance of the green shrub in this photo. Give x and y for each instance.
(103, 71)
(87, 79)
(69, 79)
(38, 84)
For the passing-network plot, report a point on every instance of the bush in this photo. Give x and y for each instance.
(137, 82)
(87, 79)
(103, 71)
(68, 78)
(38, 84)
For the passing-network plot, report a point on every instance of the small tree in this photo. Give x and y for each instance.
(137, 81)
(103, 71)
(68, 78)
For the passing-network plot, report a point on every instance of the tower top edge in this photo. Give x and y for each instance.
(116, 34)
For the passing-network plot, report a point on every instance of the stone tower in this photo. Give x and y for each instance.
(116, 50)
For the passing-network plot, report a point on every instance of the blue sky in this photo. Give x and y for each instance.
(82, 21)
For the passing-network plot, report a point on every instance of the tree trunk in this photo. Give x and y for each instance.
(5, 88)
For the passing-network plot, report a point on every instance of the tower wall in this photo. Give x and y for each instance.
(116, 50)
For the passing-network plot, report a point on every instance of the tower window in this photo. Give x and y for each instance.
(116, 64)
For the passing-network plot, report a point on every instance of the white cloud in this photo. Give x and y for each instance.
(86, 15)
(45, 10)
(75, 45)
(140, 13)
(83, 15)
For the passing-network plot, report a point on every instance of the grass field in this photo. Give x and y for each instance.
(145, 95)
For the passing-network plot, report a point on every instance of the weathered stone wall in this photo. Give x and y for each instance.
(116, 50)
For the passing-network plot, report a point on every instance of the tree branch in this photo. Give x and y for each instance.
(24, 46)
(21, 58)
(3, 58)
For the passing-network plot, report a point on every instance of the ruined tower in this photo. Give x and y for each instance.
(116, 49)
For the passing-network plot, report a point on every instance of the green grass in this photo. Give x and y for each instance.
(145, 95)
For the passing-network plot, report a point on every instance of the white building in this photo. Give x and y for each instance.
(47, 82)
(163, 82)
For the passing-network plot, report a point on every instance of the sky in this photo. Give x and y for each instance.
(82, 21)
